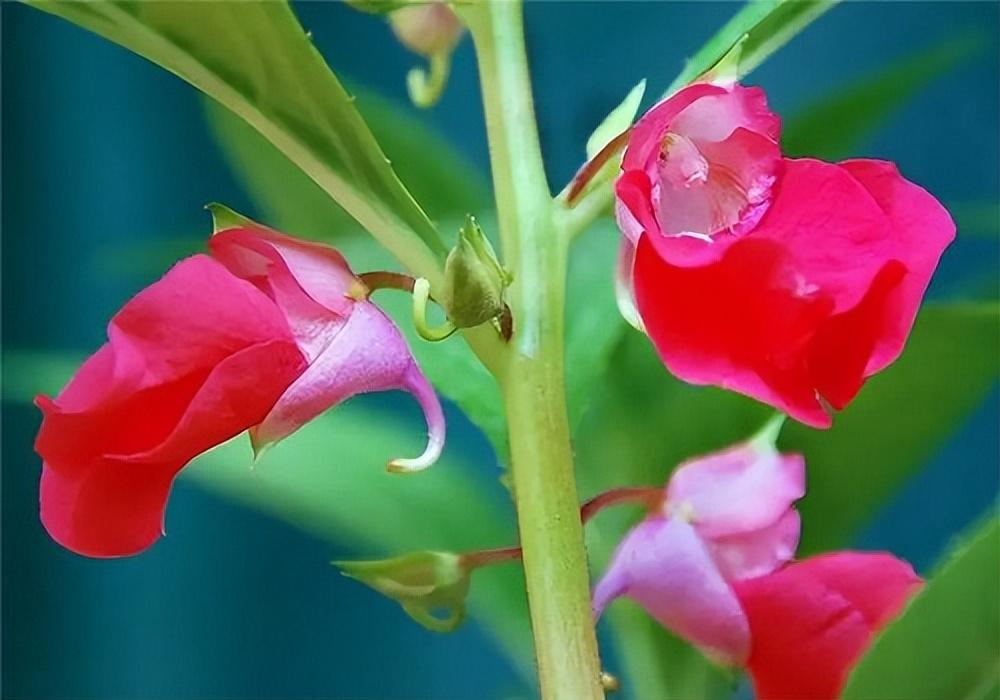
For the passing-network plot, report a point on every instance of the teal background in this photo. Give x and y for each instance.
(102, 148)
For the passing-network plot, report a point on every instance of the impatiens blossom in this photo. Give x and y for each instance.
(724, 517)
(789, 280)
(714, 566)
(263, 335)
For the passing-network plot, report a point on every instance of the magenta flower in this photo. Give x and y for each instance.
(713, 565)
(265, 336)
(791, 281)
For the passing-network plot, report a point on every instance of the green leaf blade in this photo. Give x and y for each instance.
(947, 642)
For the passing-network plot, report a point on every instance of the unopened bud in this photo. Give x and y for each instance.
(430, 586)
(427, 29)
(474, 280)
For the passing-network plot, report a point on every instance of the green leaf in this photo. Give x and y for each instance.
(643, 423)
(254, 58)
(978, 219)
(619, 120)
(861, 107)
(439, 177)
(767, 25)
(947, 642)
(329, 479)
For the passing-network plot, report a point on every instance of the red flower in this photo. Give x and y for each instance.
(812, 621)
(265, 336)
(791, 281)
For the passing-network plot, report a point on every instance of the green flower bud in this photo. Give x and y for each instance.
(431, 586)
(474, 281)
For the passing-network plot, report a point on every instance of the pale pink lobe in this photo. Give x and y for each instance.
(665, 566)
(739, 490)
(351, 345)
(698, 171)
(757, 552)
(367, 354)
(922, 230)
(812, 621)
(192, 360)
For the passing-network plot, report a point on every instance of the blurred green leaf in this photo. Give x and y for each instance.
(643, 423)
(254, 58)
(947, 642)
(437, 175)
(767, 24)
(329, 479)
(978, 219)
(900, 417)
(834, 125)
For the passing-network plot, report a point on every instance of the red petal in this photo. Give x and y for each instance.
(812, 621)
(737, 323)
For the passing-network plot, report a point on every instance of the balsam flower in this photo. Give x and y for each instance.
(714, 566)
(789, 280)
(264, 335)
(724, 517)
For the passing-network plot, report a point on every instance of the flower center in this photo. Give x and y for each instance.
(680, 162)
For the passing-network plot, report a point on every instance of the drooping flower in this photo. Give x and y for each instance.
(724, 516)
(427, 28)
(713, 564)
(789, 280)
(264, 335)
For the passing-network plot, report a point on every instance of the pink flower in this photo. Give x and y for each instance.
(725, 517)
(712, 565)
(427, 29)
(265, 336)
(791, 281)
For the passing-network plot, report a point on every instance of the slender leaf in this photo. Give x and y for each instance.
(254, 58)
(438, 176)
(643, 423)
(947, 643)
(619, 120)
(834, 125)
(767, 25)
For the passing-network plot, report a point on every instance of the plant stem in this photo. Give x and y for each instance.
(555, 561)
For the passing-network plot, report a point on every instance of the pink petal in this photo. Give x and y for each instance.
(192, 360)
(811, 622)
(836, 236)
(664, 566)
(647, 134)
(737, 491)
(922, 228)
(760, 552)
(367, 354)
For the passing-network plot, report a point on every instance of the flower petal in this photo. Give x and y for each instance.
(739, 490)
(664, 566)
(367, 354)
(104, 501)
(760, 552)
(739, 323)
(922, 228)
(812, 621)
(624, 285)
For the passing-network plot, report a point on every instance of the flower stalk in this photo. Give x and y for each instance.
(533, 387)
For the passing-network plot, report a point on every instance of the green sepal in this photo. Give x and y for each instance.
(378, 7)
(224, 218)
(474, 280)
(430, 586)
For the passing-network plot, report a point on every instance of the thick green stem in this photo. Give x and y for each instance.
(542, 462)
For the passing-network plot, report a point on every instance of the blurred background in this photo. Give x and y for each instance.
(107, 162)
